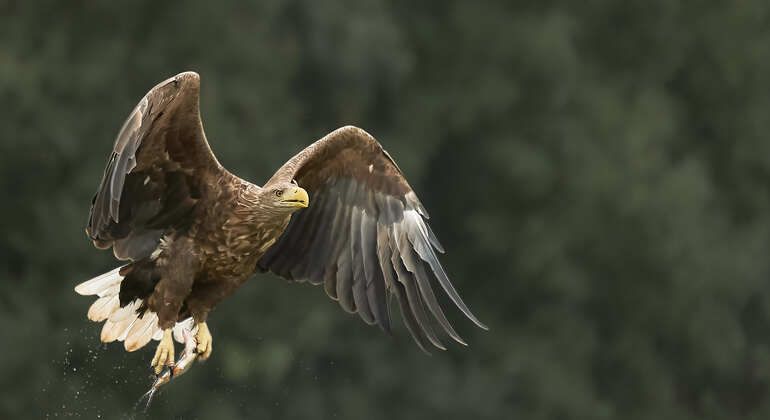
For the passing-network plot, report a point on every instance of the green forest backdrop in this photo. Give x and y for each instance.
(598, 171)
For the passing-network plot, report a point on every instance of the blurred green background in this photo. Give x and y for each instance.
(598, 172)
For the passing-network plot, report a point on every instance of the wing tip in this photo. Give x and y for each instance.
(441, 347)
(458, 339)
(467, 312)
(352, 129)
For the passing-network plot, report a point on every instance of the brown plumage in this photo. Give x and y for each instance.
(192, 232)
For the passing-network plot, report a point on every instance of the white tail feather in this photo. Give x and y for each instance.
(113, 330)
(142, 331)
(127, 328)
(125, 324)
(107, 335)
(111, 291)
(99, 283)
(103, 307)
(125, 312)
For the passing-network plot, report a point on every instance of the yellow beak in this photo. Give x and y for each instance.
(296, 197)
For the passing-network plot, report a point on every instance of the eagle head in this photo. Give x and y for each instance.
(287, 195)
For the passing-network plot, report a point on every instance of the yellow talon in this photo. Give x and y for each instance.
(204, 339)
(164, 354)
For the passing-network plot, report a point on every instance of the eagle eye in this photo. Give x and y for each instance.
(278, 193)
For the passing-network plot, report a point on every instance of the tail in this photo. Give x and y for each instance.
(125, 323)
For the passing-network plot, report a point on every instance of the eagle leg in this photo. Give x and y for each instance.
(204, 339)
(164, 354)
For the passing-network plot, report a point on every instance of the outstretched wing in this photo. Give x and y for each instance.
(364, 236)
(156, 173)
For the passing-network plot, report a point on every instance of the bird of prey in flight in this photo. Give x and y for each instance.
(340, 214)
